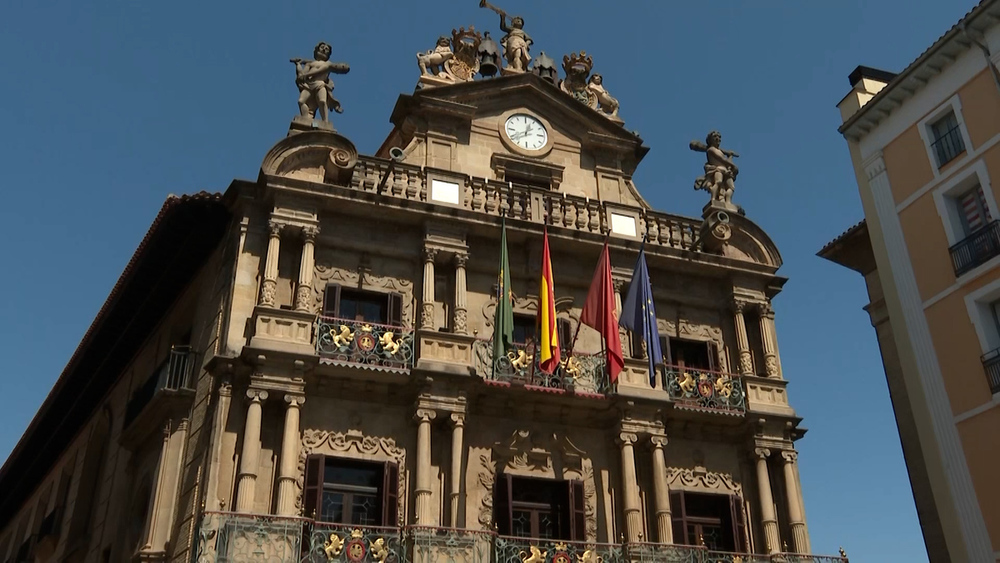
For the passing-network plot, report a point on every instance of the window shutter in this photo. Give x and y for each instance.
(313, 496)
(677, 517)
(564, 329)
(667, 352)
(739, 525)
(390, 495)
(503, 515)
(713, 356)
(395, 309)
(971, 206)
(577, 512)
(331, 300)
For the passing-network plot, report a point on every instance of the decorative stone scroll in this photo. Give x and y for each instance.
(351, 444)
(700, 479)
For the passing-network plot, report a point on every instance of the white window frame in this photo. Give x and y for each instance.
(954, 105)
(945, 199)
(979, 303)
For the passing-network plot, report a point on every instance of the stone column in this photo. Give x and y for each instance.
(249, 459)
(427, 305)
(800, 538)
(664, 525)
(630, 502)
(460, 322)
(457, 447)
(270, 283)
(767, 339)
(423, 489)
(745, 365)
(303, 295)
(767, 517)
(288, 465)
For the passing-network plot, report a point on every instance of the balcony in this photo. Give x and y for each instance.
(991, 365)
(175, 374)
(238, 538)
(581, 373)
(948, 146)
(705, 390)
(976, 248)
(364, 344)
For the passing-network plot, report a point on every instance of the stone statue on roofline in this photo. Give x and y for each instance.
(515, 44)
(720, 172)
(312, 77)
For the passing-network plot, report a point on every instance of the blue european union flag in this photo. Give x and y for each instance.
(639, 314)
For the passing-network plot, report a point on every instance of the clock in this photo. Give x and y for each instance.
(526, 132)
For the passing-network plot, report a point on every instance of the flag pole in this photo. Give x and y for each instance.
(576, 334)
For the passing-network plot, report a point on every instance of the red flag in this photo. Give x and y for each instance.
(599, 313)
(548, 354)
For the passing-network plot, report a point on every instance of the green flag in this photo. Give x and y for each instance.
(503, 321)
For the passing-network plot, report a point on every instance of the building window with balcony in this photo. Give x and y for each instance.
(536, 508)
(946, 139)
(364, 306)
(351, 492)
(690, 354)
(966, 204)
(713, 520)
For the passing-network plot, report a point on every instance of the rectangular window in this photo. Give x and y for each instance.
(693, 354)
(540, 508)
(524, 329)
(711, 519)
(344, 491)
(360, 305)
(947, 139)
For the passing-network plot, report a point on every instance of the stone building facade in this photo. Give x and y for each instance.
(301, 368)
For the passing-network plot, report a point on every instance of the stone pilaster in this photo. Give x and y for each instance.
(455, 479)
(270, 284)
(767, 338)
(460, 322)
(427, 303)
(303, 295)
(745, 361)
(664, 527)
(424, 509)
(767, 516)
(288, 464)
(630, 500)
(250, 458)
(800, 538)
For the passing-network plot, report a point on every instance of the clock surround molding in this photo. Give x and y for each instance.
(512, 147)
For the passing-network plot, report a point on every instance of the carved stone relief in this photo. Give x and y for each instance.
(700, 479)
(351, 444)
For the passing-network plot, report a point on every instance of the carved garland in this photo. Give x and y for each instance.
(702, 480)
(351, 442)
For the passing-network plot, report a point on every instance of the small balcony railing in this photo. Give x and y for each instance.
(518, 550)
(976, 248)
(583, 373)
(948, 146)
(176, 373)
(432, 545)
(336, 542)
(991, 364)
(349, 341)
(704, 389)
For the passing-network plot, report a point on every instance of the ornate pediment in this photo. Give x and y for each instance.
(700, 479)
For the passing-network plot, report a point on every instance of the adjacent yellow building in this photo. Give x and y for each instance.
(924, 148)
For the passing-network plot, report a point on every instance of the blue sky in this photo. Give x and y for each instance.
(105, 108)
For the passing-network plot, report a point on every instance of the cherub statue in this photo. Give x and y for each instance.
(609, 104)
(515, 43)
(315, 86)
(720, 170)
(431, 62)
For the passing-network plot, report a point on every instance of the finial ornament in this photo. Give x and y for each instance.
(720, 172)
(312, 77)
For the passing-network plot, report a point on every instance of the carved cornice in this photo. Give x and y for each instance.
(699, 479)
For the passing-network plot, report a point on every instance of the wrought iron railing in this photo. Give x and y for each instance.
(584, 373)
(518, 550)
(991, 364)
(705, 389)
(437, 545)
(527, 203)
(174, 374)
(227, 537)
(976, 248)
(351, 341)
(948, 146)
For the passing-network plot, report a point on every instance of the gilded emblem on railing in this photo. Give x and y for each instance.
(561, 555)
(379, 550)
(687, 382)
(519, 359)
(366, 340)
(589, 557)
(333, 547)
(389, 343)
(705, 387)
(343, 338)
(571, 367)
(724, 387)
(356, 546)
(537, 555)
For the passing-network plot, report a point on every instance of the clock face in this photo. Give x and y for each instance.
(526, 132)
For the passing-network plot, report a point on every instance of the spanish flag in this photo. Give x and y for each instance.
(548, 359)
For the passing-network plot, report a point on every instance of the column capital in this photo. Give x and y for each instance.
(461, 259)
(766, 310)
(790, 456)
(256, 395)
(627, 438)
(761, 453)
(294, 400)
(424, 415)
(430, 254)
(739, 306)
(658, 441)
(457, 419)
(275, 228)
(310, 232)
